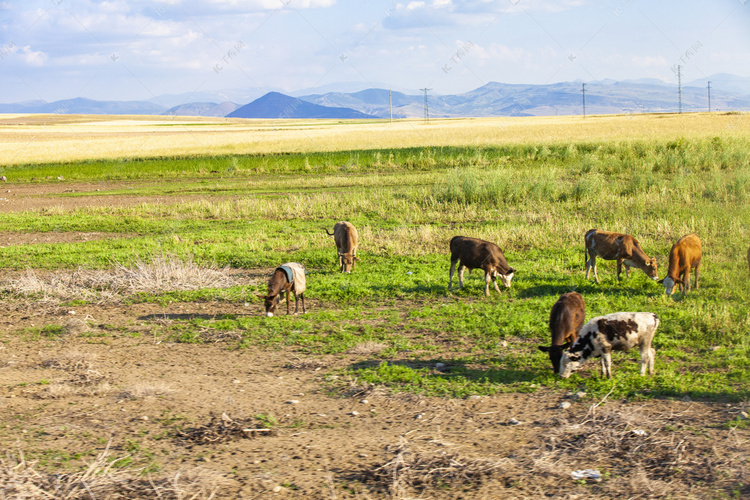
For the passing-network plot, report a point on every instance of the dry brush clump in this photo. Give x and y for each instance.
(83, 378)
(223, 428)
(104, 479)
(160, 274)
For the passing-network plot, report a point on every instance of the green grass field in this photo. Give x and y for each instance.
(535, 200)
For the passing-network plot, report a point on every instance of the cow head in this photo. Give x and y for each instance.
(669, 284)
(555, 354)
(569, 363)
(650, 269)
(347, 262)
(270, 302)
(506, 278)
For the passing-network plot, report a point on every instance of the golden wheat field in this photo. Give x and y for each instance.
(52, 138)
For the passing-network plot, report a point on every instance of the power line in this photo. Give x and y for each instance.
(709, 97)
(426, 107)
(583, 91)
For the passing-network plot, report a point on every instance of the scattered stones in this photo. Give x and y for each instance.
(419, 416)
(441, 367)
(364, 401)
(503, 343)
(565, 405)
(354, 413)
(513, 421)
(292, 402)
(639, 432)
(716, 348)
(578, 395)
(474, 397)
(744, 415)
(144, 417)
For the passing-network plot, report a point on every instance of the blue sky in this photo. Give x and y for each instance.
(137, 49)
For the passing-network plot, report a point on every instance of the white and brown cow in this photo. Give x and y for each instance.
(620, 247)
(565, 321)
(472, 253)
(346, 238)
(685, 255)
(614, 332)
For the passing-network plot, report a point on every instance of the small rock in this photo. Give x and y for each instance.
(716, 348)
(292, 401)
(354, 413)
(144, 417)
(474, 397)
(565, 405)
(71, 312)
(440, 367)
(60, 178)
(578, 395)
(503, 343)
(744, 415)
(363, 455)
(513, 421)
(235, 381)
(247, 304)
(687, 399)
(364, 401)
(277, 489)
(419, 416)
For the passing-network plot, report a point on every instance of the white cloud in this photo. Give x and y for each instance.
(32, 57)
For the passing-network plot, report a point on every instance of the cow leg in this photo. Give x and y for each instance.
(647, 360)
(592, 264)
(287, 302)
(487, 279)
(461, 268)
(590, 261)
(494, 280)
(295, 303)
(619, 268)
(450, 274)
(697, 271)
(627, 270)
(302, 296)
(685, 281)
(607, 364)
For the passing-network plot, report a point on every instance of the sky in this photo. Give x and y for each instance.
(137, 49)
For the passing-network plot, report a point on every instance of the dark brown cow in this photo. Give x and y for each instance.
(685, 255)
(472, 253)
(346, 238)
(565, 321)
(620, 247)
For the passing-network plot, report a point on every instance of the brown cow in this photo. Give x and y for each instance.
(620, 247)
(685, 255)
(479, 254)
(346, 238)
(289, 277)
(565, 321)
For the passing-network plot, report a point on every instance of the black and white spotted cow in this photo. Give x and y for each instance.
(619, 331)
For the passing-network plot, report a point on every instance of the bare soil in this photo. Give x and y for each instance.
(261, 423)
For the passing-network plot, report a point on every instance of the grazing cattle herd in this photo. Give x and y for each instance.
(572, 341)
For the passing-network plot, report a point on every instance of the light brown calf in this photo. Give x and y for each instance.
(685, 255)
(346, 238)
(620, 247)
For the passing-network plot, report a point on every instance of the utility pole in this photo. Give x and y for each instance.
(583, 91)
(709, 97)
(390, 104)
(426, 109)
(679, 86)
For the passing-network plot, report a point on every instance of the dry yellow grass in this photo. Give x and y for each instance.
(52, 138)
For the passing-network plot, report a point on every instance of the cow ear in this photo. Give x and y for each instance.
(543, 348)
(260, 296)
(511, 270)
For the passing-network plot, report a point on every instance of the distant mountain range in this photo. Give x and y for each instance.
(728, 92)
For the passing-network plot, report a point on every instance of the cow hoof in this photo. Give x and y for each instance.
(269, 315)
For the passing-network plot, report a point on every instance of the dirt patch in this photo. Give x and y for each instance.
(171, 407)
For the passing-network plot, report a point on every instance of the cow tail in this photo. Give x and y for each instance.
(326, 230)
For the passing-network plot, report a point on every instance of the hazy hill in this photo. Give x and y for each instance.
(277, 105)
(202, 109)
(83, 106)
